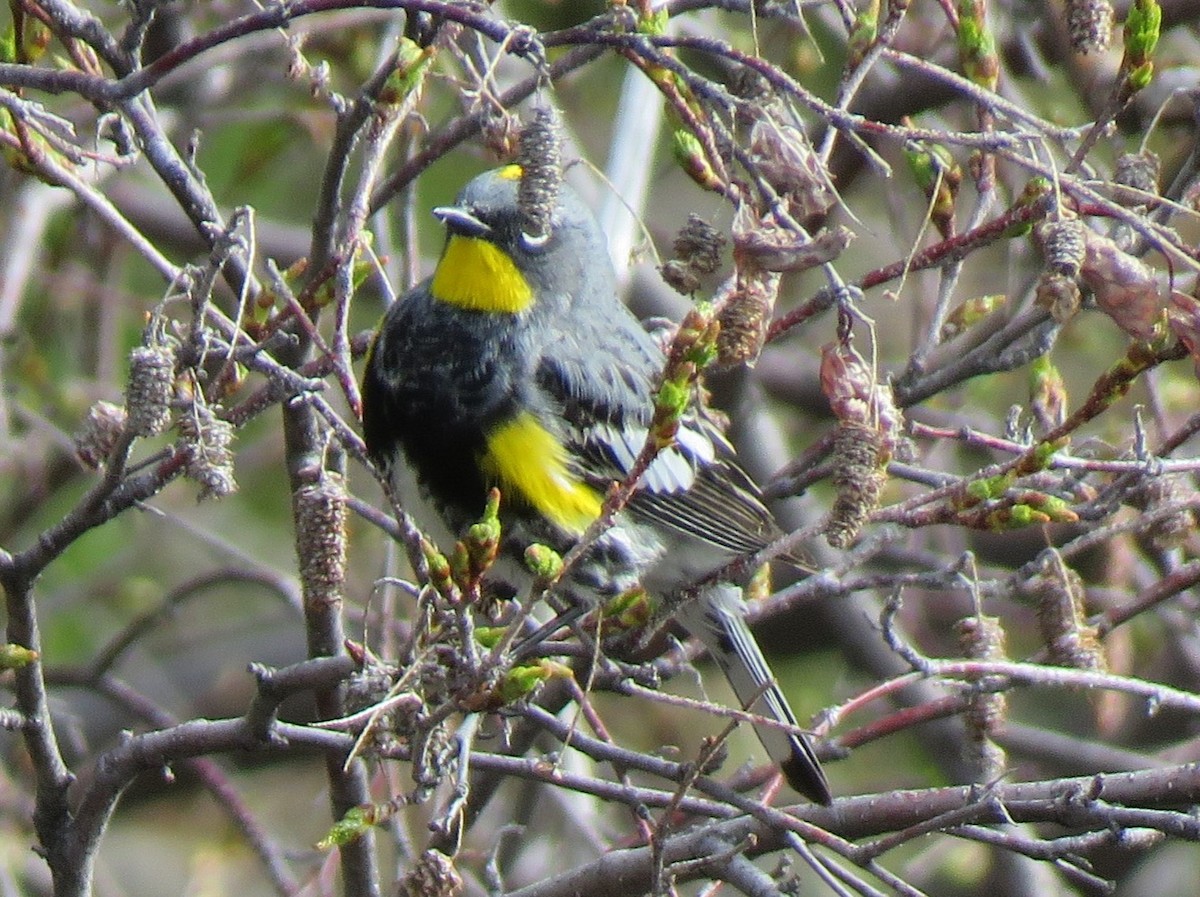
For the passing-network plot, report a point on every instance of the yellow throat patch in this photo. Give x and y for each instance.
(479, 276)
(529, 464)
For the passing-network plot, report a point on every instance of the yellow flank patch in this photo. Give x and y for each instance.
(476, 275)
(510, 172)
(530, 465)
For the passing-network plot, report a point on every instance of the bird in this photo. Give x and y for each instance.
(515, 365)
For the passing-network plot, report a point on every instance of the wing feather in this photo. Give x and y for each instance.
(694, 487)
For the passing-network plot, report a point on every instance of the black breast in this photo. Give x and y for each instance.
(434, 385)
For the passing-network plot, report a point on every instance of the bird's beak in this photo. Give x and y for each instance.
(460, 221)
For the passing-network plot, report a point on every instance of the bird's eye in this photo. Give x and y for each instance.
(531, 243)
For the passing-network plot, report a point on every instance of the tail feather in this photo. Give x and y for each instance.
(717, 619)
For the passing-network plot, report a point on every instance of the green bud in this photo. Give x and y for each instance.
(1047, 392)
(440, 573)
(977, 45)
(1140, 77)
(920, 164)
(863, 33)
(704, 353)
(8, 46)
(654, 24)
(349, 828)
(460, 564)
(1016, 517)
(970, 313)
(665, 429)
(977, 491)
(522, 680)
(14, 657)
(483, 535)
(989, 488)
(689, 153)
(491, 507)
(1044, 452)
(412, 63)
(1044, 375)
(543, 562)
(1055, 508)
(364, 266)
(1035, 191)
(631, 609)
(361, 269)
(35, 37)
(1143, 24)
(1039, 457)
(673, 398)
(482, 543)
(489, 636)
(929, 163)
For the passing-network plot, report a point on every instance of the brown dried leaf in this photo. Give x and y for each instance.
(774, 248)
(1183, 317)
(1125, 287)
(787, 161)
(856, 397)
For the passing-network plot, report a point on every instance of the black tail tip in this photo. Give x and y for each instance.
(807, 777)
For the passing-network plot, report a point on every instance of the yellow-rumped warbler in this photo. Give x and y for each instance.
(517, 366)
